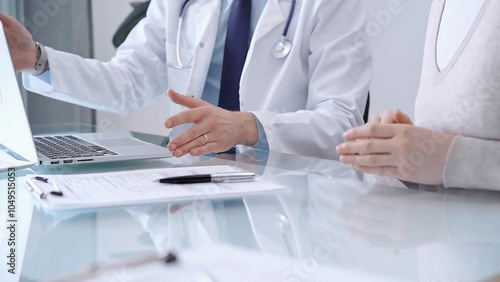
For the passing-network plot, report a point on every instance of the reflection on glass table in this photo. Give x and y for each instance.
(334, 225)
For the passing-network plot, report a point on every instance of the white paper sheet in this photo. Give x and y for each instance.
(142, 186)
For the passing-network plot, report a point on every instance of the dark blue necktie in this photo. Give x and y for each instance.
(235, 53)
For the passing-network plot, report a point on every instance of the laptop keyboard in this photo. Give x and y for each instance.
(69, 147)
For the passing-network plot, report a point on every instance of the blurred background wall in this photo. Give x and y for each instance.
(66, 26)
(397, 30)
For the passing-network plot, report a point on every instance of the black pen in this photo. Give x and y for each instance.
(214, 177)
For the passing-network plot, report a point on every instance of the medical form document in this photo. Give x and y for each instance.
(81, 191)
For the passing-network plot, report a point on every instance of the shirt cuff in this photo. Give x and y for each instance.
(45, 77)
(262, 143)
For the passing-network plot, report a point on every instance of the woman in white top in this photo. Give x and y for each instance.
(456, 137)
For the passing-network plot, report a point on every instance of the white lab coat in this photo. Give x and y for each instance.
(304, 102)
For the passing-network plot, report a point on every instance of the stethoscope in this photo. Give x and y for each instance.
(280, 50)
(284, 46)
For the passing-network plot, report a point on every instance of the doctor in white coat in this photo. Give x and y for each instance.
(300, 104)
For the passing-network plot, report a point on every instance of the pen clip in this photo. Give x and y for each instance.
(233, 177)
(39, 191)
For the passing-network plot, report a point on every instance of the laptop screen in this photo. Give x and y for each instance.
(16, 139)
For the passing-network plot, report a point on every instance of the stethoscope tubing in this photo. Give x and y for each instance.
(183, 8)
(290, 17)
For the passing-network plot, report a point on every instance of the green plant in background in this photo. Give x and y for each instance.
(138, 14)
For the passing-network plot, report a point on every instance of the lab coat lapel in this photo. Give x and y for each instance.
(272, 16)
(207, 14)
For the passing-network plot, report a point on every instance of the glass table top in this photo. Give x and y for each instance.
(334, 224)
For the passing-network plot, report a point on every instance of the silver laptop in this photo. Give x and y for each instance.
(17, 146)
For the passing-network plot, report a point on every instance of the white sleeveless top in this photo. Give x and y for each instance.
(463, 97)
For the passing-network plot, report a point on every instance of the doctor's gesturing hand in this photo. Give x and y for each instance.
(21, 45)
(392, 146)
(215, 129)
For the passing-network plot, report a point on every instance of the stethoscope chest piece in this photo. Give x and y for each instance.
(282, 48)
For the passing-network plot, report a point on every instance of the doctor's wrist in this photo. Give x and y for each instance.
(249, 134)
(24, 59)
(39, 66)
